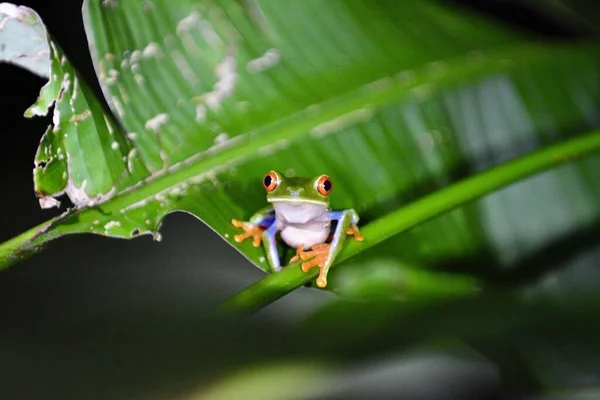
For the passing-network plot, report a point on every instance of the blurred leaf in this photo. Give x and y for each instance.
(570, 394)
(580, 14)
(380, 279)
(370, 327)
(277, 381)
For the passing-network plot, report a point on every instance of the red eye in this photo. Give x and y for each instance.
(270, 181)
(324, 185)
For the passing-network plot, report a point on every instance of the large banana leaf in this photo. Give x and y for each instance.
(392, 100)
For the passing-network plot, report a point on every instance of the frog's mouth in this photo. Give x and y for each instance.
(295, 202)
(299, 212)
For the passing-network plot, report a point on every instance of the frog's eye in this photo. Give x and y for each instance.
(324, 185)
(270, 181)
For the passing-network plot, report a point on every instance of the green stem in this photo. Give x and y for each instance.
(274, 286)
(15, 249)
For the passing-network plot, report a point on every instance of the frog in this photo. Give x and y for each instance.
(300, 215)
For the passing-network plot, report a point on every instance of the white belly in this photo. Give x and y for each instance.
(295, 237)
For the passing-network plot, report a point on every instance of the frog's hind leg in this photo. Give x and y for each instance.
(352, 227)
(320, 255)
(347, 224)
(353, 230)
(324, 254)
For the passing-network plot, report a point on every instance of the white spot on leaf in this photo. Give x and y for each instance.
(156, 122)
(130, 159)
(139, 79)
(110, 3)
(337, 124)
(101, 70)
(200, 113)
(266, 61)
(152, 50)
(80, 117)
(56, 119)
(112, 224)
(124, 94)
(189, 22)
(118, 107)
(109, 126)
(226, 72)
(113, 75)
(75, 88)
(66, 82)
(221, 138)
(184, 67)
(135, 57)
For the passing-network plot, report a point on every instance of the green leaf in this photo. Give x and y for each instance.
(81, 155)
(393, 101)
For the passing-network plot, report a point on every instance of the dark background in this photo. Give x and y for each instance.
(93, 317)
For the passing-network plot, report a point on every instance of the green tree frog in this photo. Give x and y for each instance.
(300, 214)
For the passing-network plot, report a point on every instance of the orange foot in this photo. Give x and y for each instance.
(250, 230)
(319, 255)
(354, 232)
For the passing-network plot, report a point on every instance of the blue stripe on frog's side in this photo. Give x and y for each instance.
(271, 246)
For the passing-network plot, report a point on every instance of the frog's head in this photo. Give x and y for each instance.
(297, 190)
(289, 194)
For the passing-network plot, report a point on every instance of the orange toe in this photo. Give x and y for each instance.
(250, 231)
(319, 255)
(352, 230)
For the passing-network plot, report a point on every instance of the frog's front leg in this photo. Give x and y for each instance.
(262, 227)
(254, 228)
(324, 254)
